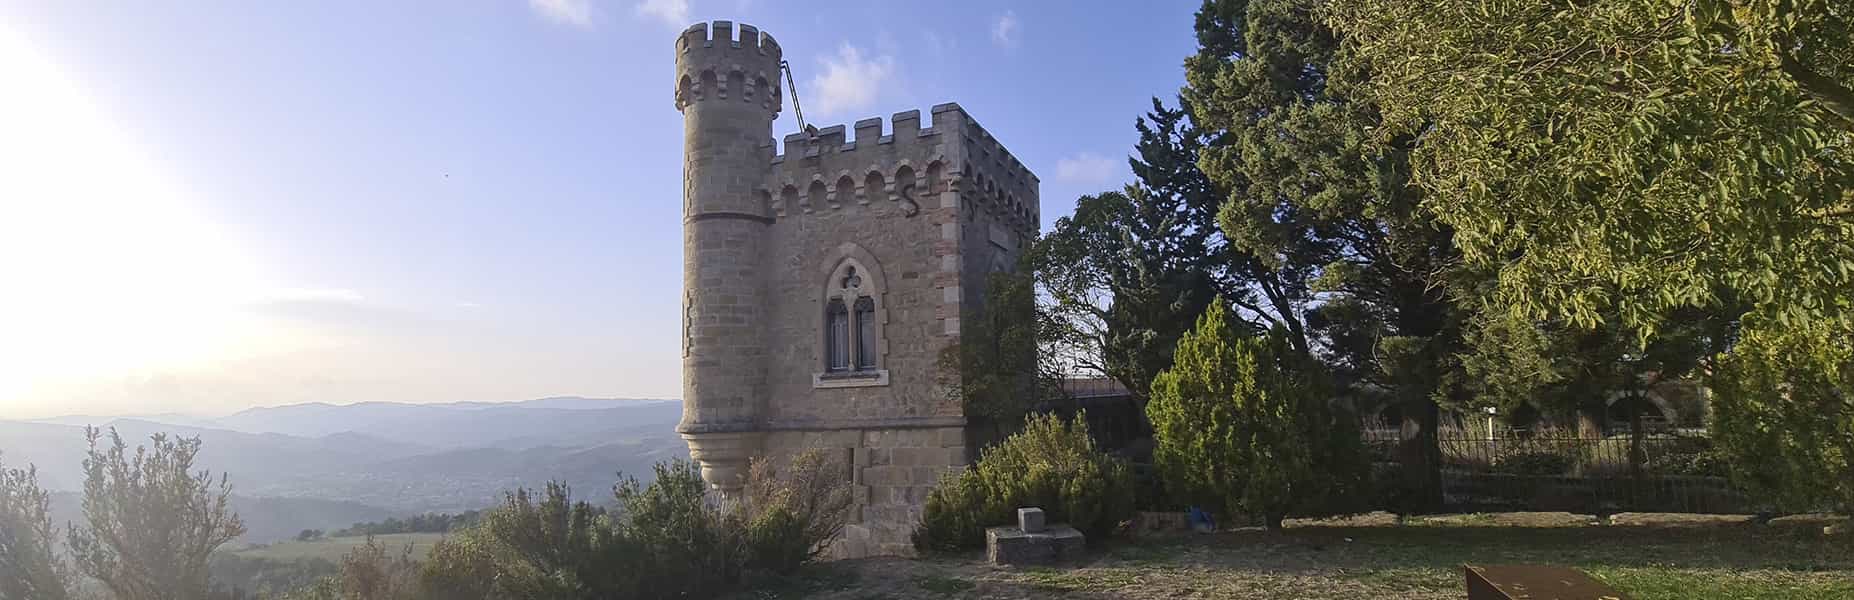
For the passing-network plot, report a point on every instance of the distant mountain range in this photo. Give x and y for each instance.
(381, 459)
(267, 520)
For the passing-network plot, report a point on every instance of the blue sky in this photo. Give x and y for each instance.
(217, 205)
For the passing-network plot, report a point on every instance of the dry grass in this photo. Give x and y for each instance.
(1371, 557)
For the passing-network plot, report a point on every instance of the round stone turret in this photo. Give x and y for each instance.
(728, 92)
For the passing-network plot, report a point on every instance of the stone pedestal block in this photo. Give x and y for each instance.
(1030, 520)
(1014, 546)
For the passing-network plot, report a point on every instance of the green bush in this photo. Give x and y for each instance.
(673, 541)
(797, 511)
(1051, 464)
(1244, 427)
(535, 545)
(665, 540)
(1710, 462)
(668, 543)
(1781, 411)
(1533, 462)
(368, 572)
(956, 514)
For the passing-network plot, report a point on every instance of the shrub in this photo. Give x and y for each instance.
(1533, 462)
(152, 523)
(1244, 426)
(956, 514)
(535, 545)
(674, 543)
(238, 576)
(1781, 410)
(1710, 462)
(797, 511)
(666, 540)
(368, 572)
(1052, 464)
(29, 564)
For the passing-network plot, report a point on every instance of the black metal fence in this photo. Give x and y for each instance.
(1553, 471)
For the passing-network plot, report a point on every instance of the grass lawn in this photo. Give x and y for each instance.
(1646, 557)
(333, 548)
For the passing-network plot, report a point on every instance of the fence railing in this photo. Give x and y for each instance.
(1517, 470)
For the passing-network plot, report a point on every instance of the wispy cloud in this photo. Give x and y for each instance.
(1004, 30)
(313, 295)
(1085, 168)
(936, 45)
(674, 13)
(850, 81)
(577, 13)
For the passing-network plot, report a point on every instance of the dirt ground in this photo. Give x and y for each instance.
(1647, 556)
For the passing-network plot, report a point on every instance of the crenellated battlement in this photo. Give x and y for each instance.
(697, 36)
(712, 64)
(823, 285)
(903, 163)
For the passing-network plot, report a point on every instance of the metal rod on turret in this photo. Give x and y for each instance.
(810, 132)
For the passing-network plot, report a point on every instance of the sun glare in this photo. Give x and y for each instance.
(106, 268)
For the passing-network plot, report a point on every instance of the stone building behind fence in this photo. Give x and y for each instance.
(821, 284)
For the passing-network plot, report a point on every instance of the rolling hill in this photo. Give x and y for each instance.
(515, 425)
(327, 466)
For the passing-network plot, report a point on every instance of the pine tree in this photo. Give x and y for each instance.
(1244, 425)
(1317, 197)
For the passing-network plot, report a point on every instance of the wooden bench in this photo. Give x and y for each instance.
(1534, 582)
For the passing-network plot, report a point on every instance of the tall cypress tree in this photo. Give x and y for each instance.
(1309, 191)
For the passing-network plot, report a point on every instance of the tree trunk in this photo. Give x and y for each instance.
(1420, 454)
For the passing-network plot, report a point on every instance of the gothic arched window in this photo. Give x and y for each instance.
(837, 337)
(865, 333)
(851, 344)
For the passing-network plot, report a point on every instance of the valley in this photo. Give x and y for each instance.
(321, 466)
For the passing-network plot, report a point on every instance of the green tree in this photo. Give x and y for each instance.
(1565, 370)
(1129, 271)
(1617, 163)
(30, 568)
(998, 370)
(1784, 408)
(1615, 160)
(1244, 425)
(152, 522)
(1320, 200)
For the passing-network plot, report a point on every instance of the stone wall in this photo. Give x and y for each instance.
(856, 203)
(890, 470)
(922, 215)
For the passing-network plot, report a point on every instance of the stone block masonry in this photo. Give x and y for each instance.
(1030, 520)
(823, 280)
(1014, 546)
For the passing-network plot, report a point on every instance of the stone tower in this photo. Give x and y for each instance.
(822, 284)
(728, 93)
